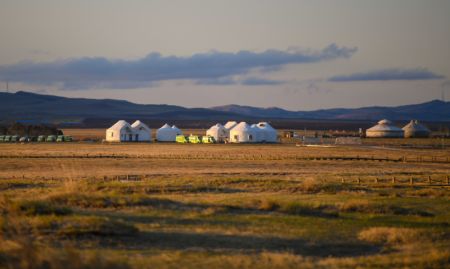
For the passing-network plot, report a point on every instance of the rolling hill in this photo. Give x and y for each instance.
(38, 107)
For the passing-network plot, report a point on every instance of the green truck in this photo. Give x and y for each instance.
(2, 138)
(15, 138)
(41, 138)
(63, 138)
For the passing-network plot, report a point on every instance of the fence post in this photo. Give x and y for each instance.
(411, 180)
(376, 179)
(359, 180)
(448, 180)
(343, 180)
(429, 180)
(393, 180)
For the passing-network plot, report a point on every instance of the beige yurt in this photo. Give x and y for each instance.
(384, 128)
(141, 131)
(166, 134)
(242, 133)
(415, 129)
(230, 125)
(268, 133)
(218, 131)
(121, 131)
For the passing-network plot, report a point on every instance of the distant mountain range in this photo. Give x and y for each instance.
(23, 106)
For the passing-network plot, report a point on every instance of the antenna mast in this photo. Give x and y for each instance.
(7, 86)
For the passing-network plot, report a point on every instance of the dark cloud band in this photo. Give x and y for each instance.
(389, 74)
(85, 73)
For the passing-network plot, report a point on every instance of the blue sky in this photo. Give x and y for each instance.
(298, 55)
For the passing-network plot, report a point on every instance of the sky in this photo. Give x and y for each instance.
(293, 54)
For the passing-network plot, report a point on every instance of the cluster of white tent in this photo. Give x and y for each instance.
(385, 128)
(232, 132)
(122, 131)
(243, 132)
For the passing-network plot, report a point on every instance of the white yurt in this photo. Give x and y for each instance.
(219, 132)
(242, 133)
(141, 131)
(384, 128)
(121, 131)
(166, 134)
(177, 131)
(259, 136)
(415, 129)
(269, 134)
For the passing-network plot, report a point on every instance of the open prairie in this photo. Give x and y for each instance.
(92, 205)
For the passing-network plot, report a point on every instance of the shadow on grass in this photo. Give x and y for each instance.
(211, 242)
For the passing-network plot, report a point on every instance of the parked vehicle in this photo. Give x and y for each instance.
(207, 139)
(181, 139)
(51, 138)
(194, 139)
(41, 138)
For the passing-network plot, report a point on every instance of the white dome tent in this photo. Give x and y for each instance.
(269, 134)
(166, 133)
(141, 131)
(230, 125)
(384, 128)
(242, 133)
(121, 131)
(219, 132)
(177, 131)
(257, 133)
(415, 129)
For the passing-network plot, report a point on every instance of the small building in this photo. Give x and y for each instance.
(219, 132)
(415, 129)
(121, 131)
(384, 129)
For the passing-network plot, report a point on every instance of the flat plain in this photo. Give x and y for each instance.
(93, 205)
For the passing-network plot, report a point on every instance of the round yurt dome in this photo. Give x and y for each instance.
(269, 134)
(218, 131)
(242, 133)
(415, 129)
(259, 135)
(384, 128)
(166, 134)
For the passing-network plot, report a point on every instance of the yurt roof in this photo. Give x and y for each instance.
(230, 124)
(414, 125)
(139, 123)
(242, 126)
(119, 125)
(384, 126)
(266, 126)
(175, 128)
(217, 126)
(165, 126)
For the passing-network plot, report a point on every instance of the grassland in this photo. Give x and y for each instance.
(222, 206)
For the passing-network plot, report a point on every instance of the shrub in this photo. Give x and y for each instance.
(390, 236)
(32, 208)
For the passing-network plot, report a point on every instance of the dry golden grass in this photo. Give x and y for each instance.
(194, 210)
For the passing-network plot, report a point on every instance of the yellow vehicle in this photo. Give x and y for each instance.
(181, 139)
(207, 139)
(194, 139)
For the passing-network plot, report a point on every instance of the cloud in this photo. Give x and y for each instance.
(389, 74)
(253, 81)
(85, 73)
